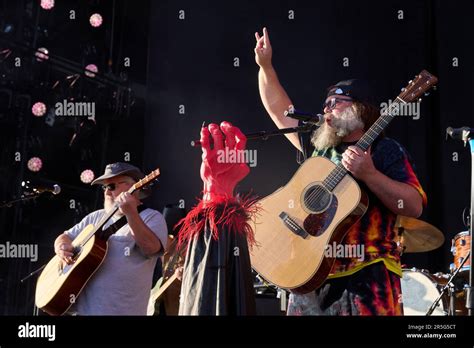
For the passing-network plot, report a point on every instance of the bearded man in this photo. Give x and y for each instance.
(368, 284)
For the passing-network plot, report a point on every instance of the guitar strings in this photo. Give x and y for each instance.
(339, 172)
(138, 185)
(333, 178)
(102, 221)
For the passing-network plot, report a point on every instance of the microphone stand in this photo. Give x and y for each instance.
(466, 134)
(24, 197)
(470, 293)
(35, 309)
(449, 286)
(264, 135)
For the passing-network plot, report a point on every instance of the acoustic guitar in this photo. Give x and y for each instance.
(168, 284)
(59, 285)
(315, 209)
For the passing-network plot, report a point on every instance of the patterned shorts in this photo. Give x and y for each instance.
(373, 290)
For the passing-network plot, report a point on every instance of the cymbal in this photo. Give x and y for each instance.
(416, 236)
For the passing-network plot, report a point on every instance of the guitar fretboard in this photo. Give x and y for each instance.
(338, 173)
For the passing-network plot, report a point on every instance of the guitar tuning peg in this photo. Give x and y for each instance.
(427, 94)
(419, 100)
(410, 81)
(404, 89)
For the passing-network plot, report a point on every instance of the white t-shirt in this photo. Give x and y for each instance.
(121, 285)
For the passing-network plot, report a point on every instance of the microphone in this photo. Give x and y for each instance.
(38, 189)
(317, 120)
(308, 118)
(462, 133)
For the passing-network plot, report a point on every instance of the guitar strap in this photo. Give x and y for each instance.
(105, 234)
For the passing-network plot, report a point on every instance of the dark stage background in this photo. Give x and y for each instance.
(193, 61)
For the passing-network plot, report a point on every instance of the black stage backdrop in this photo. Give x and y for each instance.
(193, 61)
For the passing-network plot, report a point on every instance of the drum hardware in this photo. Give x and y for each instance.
(466, 135)
(414, 236)
(400, 245)
(262, 287)
(451, 292)
(419, 290)
(460, 246)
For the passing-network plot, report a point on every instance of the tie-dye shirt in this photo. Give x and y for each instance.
(375, 230)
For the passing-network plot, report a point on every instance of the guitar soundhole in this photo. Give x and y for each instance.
(317, 198)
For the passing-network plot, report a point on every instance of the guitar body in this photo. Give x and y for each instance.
(162, 288)
(168, 287)
(298, 221)
(58, 287)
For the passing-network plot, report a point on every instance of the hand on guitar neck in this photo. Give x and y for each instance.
(179, 273)
(359, 162)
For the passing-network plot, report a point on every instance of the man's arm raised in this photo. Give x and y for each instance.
(274, 97)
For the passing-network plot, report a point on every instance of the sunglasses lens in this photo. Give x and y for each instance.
(111, 187)
(330, 103)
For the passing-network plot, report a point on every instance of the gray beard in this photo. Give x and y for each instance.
(108, 206)
(326, 136)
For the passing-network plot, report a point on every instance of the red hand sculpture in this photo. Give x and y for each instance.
(219, 176)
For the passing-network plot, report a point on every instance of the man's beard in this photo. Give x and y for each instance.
(109, 204)
(328, 136)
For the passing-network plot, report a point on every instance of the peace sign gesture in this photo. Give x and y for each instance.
(263, 49)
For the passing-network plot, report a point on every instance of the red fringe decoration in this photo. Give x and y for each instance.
(232, 214)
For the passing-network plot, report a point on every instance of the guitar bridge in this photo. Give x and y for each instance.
(293, 225)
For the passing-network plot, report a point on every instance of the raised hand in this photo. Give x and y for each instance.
(263, 49)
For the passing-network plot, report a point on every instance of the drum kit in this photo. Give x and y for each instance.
(439, 293)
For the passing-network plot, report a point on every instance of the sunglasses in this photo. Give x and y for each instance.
(112, 186)
(331, 103)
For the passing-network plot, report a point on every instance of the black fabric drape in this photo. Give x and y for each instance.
(217, 277)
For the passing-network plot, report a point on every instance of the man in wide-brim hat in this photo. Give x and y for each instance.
(136, 237)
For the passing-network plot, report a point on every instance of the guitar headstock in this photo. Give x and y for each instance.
(415, 88)
(147, 180)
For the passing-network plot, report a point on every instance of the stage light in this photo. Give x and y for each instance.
(91, 69)
(47, 4)
(38, 109)
(87, 176)
(42, 54)
(8, 28)
(95, 20)
(35, 164)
